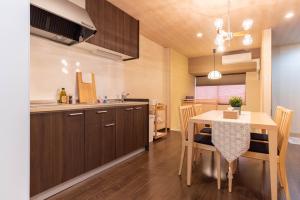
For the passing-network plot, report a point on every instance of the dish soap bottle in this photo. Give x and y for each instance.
(63, 96)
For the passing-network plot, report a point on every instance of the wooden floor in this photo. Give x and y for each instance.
(153, 175)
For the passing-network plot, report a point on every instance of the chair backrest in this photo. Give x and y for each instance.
(185, 113)
(278, 114)
(284, 129)
(198, 109)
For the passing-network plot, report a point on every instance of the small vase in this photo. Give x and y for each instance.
(238, 109)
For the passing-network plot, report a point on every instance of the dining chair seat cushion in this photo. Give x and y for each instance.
(206, 130)
(259, 147)
(203, 139)
(259, 136)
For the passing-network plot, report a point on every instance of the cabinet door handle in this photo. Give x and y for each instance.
(128, 109)
(109, 125)
(101, 111)
(138, 108)
(76, 114)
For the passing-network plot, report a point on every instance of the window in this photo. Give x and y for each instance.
(221, 92)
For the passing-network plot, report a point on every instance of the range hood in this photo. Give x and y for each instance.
(61, 21)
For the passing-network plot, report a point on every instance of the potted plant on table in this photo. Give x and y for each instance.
(236, 103)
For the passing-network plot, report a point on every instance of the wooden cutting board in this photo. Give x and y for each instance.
(86, 91)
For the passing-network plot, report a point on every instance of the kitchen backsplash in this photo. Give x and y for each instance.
(54, 66)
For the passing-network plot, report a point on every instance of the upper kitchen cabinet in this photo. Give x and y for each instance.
(116, 30)
(131, 36)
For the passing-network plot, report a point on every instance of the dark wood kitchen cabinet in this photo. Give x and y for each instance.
(140, 126)
(100, 136)
(73, 144)
(56, 148)
(45, 151)
(66, 144)
(125, 139)
(131, 36)
(132, 129)
(116, 30)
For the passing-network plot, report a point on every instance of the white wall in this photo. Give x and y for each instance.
(266, 72)
(145, 77)
(182, 84)
(285, 80)
(14, 102)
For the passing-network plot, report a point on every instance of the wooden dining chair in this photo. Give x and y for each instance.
(198, 110)
(260, 151)
(201, 141)
(263, 137)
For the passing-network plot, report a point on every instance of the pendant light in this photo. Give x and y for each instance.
(213, 75)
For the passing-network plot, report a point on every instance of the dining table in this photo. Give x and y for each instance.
(257, 120)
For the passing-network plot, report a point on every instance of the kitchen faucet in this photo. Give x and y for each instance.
(124, 96)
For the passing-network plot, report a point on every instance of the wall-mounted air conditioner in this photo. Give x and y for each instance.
(236, 58)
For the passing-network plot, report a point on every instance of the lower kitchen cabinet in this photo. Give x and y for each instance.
(125, 139)
(100, 134)
(108, 142)
(73, 144)
(45, 152)
(56, 148)
(140, 126)
(66, 144)
(132, 129)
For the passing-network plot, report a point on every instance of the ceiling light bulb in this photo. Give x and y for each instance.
(247, 40)
(199, 35)
(214, 75)
(77, 64)
(64, 62)
(219, 23)
(289, 15)
(247, 24)
(220, 49)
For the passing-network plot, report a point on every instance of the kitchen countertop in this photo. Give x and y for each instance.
(61, 107)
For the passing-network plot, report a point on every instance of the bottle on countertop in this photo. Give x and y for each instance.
(105, 100)
(63, 96)
(70, 99)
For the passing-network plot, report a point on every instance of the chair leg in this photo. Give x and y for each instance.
(218, 157)
(198, 153)
(280, 176)
(183, 147)
(230, 176)
(195, 154)
(282, 169)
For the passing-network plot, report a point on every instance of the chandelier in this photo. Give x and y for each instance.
(223, 35)
(213, 75)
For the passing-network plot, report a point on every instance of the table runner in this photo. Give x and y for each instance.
(232, 136)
